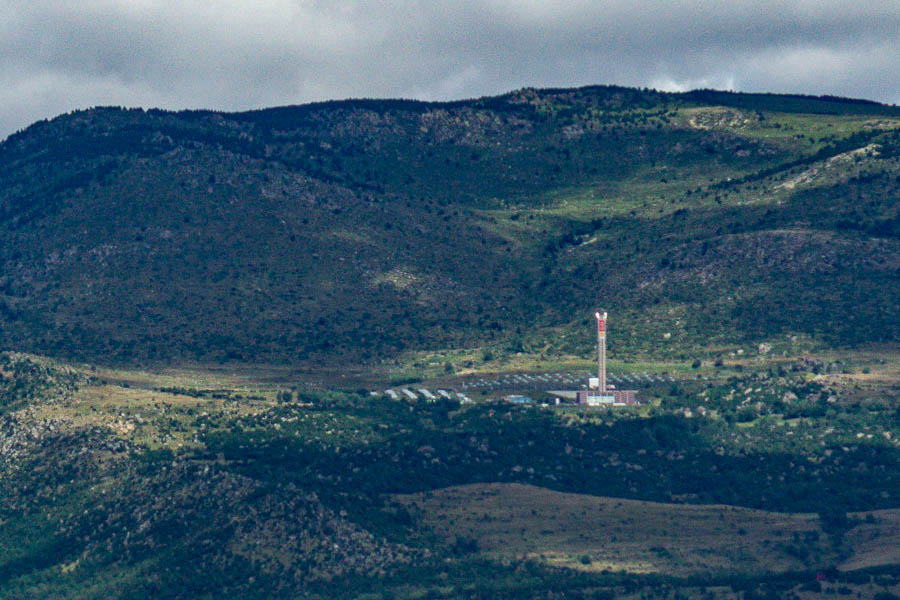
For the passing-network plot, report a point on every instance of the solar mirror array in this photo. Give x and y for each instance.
(559, 379)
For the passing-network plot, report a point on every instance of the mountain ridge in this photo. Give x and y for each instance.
(363, 229)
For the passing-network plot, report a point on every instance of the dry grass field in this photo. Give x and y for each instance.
(597, 534)
(159, 409)
(875, 541)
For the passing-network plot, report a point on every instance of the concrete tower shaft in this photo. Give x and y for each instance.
(601, 350)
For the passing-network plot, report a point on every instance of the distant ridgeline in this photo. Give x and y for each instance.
(360, 229)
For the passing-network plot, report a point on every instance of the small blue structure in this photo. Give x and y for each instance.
(516, 399)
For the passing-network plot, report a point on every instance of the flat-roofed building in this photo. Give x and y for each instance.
(607, 398)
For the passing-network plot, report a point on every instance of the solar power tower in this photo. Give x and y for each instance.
(601, 350)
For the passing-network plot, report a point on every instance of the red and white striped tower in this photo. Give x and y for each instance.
(601, 350)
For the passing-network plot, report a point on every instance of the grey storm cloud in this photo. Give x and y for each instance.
(57, 56)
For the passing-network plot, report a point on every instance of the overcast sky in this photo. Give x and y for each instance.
(56, 56)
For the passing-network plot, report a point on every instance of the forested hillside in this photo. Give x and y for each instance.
(366, 228)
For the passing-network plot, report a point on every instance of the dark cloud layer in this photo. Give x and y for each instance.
(56, 56)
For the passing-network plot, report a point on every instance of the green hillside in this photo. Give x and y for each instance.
(363, 229)
(183, 484)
